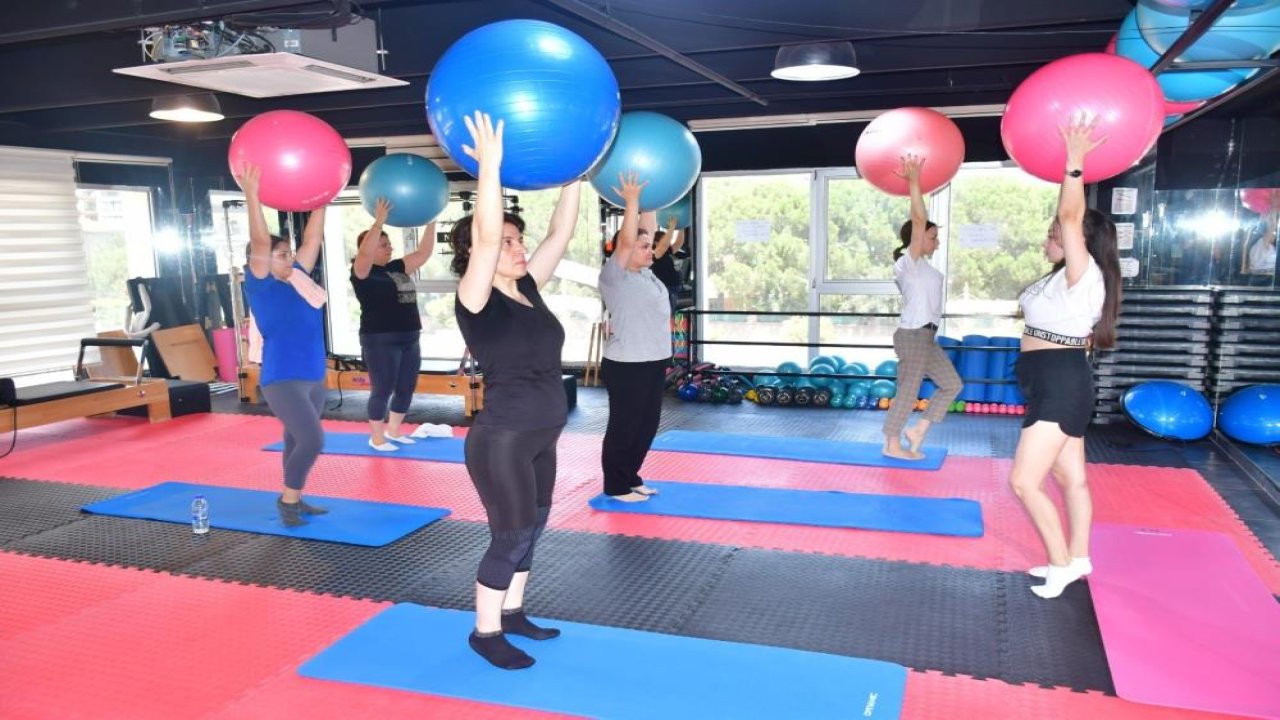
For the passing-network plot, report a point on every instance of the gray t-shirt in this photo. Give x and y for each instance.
(639, 314)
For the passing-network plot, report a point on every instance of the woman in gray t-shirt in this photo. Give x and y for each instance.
(637, 350)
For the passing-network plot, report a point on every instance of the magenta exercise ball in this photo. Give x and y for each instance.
(909, 130)
(1121, 94)
(304, 161)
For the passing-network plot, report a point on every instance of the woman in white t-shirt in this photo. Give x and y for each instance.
(914, 340)
(1259, 265)
(1066, 312)
(637, 350)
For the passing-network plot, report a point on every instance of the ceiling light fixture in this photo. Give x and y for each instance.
(202, 107)
(815, 61)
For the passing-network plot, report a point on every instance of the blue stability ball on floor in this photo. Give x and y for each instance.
(555, 92)
(659, 151)
(417, 190)
(883, 389)
(681, 210)
(1168, 410)
(1252, 415)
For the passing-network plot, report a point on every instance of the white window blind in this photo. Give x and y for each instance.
(45, 299)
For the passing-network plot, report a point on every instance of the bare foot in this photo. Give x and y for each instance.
(644, 489)
(630, 497)
(901, 453)
(916, 436)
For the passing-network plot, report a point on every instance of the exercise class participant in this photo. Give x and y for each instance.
(286, 306)
(511, 450)
(1073, 307)
(915, 341)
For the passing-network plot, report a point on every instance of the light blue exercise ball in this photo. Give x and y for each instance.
(1240, 33)
(554, 91)
(659, 150)
(681, 210)
(1183, 85)
(1168, 410)
(888, 367)
(1252, 415)
(416, 188)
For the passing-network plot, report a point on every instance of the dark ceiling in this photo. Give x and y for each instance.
(57, 57)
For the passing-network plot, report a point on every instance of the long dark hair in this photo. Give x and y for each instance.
(275, 240)
(904, 234)
(1100, 240)
(460, 240)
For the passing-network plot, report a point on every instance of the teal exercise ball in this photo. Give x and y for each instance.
(660, 151)
(416, 188)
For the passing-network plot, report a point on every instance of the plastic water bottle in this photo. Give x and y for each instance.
(200, 515)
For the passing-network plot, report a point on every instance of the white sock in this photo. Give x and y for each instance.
(1057, 580)
(643, 489)
(1083, 564)
(630, 497)
(402, 439)
(384, 447)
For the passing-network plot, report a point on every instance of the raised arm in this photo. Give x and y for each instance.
(476, 283)
(661, 247)
(910, 171)
(259, 235)
(629, 190)
(312, 239)
(421, 254)
(543, 262)
(369, 248)
(1071, 200)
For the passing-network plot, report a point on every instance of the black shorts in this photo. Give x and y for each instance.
(1058, 386)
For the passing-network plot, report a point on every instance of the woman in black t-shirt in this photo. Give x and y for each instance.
(390, 326)
(511, 449)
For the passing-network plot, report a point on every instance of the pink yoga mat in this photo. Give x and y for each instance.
(224, 348)
(1185, 621)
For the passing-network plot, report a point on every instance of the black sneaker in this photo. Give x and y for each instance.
(290, 513)
(309, 509)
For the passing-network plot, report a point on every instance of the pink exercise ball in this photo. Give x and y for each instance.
(304, 161)
(1121, 94)
(1260, 200)
(1179, 107)
(909, 130)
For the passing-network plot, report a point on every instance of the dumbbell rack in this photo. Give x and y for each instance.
(1163, 334)
(1246, 337)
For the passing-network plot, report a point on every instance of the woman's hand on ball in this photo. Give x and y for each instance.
(250, 178)
(1077, 134)
(911, 166)
(486, 138)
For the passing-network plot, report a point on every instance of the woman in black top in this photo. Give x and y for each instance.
(666, 245)
(389, 325)
(511, 449)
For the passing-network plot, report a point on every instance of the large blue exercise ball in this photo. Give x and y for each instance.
(1168, 410)
(1240, 33)
(681, 210)
(1252, 415)
(416, 188)
(659, 150)
(1183, 85)
(556, 94)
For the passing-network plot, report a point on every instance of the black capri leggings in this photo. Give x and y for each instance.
(1058, 386)
(514, 472)
(393, 359)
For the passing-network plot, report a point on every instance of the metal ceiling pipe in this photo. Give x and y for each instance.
(596, 17)
(126, 15)
(1193, 32)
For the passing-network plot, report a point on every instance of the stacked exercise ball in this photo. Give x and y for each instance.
(305, 163)
(909, 131)
(660, 151)
(1120, 94)
(681, 210)
(415, 187)
(1180, 86)
(555, 93)
(1246, 31)
(1168, 410)
(1252, 415)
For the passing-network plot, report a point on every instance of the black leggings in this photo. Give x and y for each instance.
(635, 407)
(298, 404)
(514, 472)
(393, 360)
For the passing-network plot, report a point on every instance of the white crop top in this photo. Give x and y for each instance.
(1053, 308)
(921, 286)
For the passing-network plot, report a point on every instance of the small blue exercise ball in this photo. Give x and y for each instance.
(416, 188)
(554, 91)
(883, 389)
(1240, 33)
(1183, 85)
(1252, 415)
(821, 369)
(681, 210)
(855, 368)
(888, 367)
(1168, 410)
(659, 150)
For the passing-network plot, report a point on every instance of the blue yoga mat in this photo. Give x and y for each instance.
(435, 449)
(793, 448)
(895, 513)
(354, 522)
(410, 647)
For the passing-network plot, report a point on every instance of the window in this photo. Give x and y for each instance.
(229, 232)
(117, 229)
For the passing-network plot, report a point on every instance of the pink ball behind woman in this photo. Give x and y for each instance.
(304, 161)
(1260, 200)
(1122, 95)
(915, 131)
